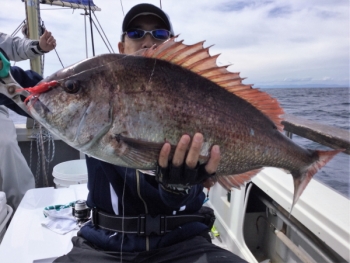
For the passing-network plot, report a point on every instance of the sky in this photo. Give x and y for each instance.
(271, 43)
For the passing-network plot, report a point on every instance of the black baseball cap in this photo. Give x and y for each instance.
(146, 9)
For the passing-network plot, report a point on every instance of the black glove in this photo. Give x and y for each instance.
(181, 177)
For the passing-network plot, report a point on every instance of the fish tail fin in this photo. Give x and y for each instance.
(303, 177)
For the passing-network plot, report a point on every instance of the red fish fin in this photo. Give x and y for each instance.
(301, 180)
(224, 183)
(237, 180)
(197, 59)
(140, 151)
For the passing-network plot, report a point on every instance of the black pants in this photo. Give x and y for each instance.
(196, 249)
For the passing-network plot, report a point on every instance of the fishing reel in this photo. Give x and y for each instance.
(81, 212)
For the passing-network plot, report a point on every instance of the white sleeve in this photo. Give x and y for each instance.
(15, 175)
(18, 49)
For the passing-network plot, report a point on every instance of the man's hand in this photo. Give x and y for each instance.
(47, 42)
(191, 159)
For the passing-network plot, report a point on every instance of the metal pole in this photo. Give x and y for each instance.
(295, 249)
(33, 30)
(86, 45)
(92, 35)
(294, 227)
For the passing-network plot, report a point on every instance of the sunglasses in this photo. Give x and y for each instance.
(160, 34)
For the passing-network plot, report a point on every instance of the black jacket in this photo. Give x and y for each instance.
(135, 193)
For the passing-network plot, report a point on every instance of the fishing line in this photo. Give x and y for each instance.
(43, 159)
(91, 69)
(154, 67)
(101, 36)
(88, 70)
(103, 31)
(121, 3)
(101, 66)
(41, 143)
(59, 58)
(121, 245)
(18, 28)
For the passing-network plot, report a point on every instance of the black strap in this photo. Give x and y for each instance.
(145, 225)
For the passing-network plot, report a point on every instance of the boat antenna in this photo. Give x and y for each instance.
(160, 4)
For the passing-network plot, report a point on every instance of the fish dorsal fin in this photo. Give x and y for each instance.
(197, 59)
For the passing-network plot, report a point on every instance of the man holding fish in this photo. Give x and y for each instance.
(131, 110)
(138, 217)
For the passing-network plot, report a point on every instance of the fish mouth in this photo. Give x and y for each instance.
(38, 106)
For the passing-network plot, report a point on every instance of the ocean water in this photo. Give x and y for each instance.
(329, 106)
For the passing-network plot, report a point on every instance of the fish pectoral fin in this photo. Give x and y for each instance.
(237, 180)
(139, 152)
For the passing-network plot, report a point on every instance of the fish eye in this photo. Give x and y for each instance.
(71, 86)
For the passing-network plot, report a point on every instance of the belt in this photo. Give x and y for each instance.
(145, 225)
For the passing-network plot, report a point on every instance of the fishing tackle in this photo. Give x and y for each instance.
(40, 88)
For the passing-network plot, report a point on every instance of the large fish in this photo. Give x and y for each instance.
(121, 109)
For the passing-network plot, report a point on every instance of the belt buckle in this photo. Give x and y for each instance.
(148, 225)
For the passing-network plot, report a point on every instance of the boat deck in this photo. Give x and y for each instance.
(26, 240)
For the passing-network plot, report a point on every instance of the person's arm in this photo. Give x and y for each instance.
(18, 49)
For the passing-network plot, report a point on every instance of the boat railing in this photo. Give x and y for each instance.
(330, 136)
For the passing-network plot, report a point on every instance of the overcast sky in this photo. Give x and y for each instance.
(270, 42)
